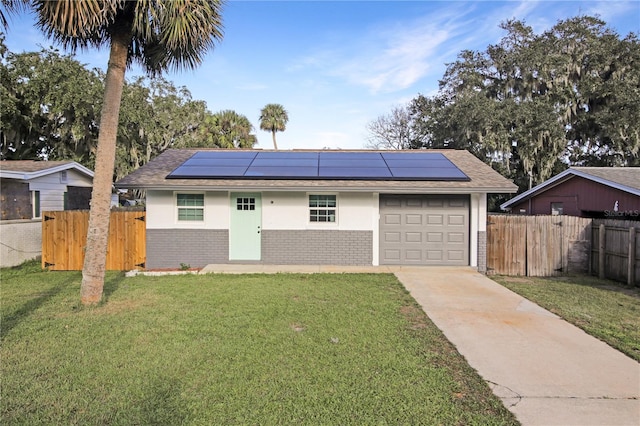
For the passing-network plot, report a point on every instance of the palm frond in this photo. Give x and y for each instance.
(77, 23)
(176, 34)
(162, 35)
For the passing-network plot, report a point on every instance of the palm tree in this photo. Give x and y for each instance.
(274, 118)
(159, 36)
(235, 129)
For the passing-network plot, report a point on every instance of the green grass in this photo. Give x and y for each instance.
(230, 349)
(607, 310)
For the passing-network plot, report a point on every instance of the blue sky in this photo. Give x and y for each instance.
(337, 65)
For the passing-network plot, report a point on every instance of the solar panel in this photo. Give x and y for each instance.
(295, 155)
(418, 163)
(224, 154)
(218, 162)
(318, 165)
(413, 155)
(284, 162)
(283, 172)
(440, 173)
(422, 165)
(199, 172)
(366, 173)
(352, 163)
(349, 155)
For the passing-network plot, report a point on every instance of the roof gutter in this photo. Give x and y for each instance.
(405, 190)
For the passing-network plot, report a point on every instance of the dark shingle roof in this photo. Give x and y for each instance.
(29, 166)
(482, 178)
(31, 169)
(626, 176)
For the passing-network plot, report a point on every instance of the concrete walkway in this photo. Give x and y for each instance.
(545, 370)
(234, 268)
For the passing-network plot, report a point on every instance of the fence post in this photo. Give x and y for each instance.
(631, 267)
(601, 254)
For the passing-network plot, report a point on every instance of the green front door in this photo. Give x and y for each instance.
(245, 227)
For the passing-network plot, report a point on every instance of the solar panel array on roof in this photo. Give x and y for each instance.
(318, 165)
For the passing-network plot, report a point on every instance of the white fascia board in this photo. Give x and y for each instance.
(9, 174)
(397, 190)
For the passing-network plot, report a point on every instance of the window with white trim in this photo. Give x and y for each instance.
(557, 209)
(322, 208)
(190, 207)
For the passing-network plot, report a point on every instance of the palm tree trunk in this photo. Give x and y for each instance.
(95, 258)
(275, 145)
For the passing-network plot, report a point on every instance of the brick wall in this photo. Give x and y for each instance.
(168, 248)
(482, 252)
(317, 247)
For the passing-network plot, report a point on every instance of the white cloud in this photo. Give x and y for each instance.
(390, 56)
(609, 11)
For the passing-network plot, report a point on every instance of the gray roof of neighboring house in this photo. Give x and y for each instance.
(625, 179)
(29, 169)
(482, 178)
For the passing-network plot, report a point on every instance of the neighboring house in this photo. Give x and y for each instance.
(596, 192)
(27, 188)
(316, 207)
(30, 187)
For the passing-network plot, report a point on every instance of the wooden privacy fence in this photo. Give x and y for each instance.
(615, 251)
(64, 235)
(553, 245)
(539, 246)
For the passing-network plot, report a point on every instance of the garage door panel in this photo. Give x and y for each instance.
(392, 237)
(455, 237)
(434, 237)
(455, 255)
(413, 255)
(434, 255)
(435, 219)
(391, 202)
(424, 230)
(413, 219)
(413, 237)
(392, 255)
(392, 219)
(456, 220)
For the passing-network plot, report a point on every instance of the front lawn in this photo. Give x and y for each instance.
(605, 309)
(230, 349)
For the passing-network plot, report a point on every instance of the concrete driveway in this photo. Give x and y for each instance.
(545, 370)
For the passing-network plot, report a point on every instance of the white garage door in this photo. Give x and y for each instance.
(424, 230)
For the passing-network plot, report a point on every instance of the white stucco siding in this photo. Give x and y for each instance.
(290, 211)
(478, 223)
(162, 212)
